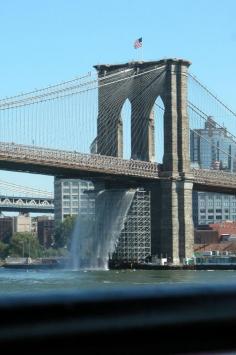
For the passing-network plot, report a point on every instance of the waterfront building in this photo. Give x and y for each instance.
(209, 207)
(212, 207)
(45, 228)
(72, 197)
(21, 223)
(6, 225)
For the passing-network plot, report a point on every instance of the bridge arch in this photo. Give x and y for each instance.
(125, 118)
(157, 116)
(142, 83)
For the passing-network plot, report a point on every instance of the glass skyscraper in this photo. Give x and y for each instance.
(212, 148)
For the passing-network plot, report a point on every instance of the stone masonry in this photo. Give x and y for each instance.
(171, 198)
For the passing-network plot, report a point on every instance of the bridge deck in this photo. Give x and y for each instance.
(40, 160)
(93, 163)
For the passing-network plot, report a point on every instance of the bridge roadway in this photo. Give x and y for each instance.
(70, 164)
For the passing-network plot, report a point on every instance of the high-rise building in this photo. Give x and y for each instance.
(212, 147)
(72, 197)
(215, 150)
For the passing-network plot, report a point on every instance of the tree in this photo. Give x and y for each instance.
(25, 244)
(63, 232)
(3, 250)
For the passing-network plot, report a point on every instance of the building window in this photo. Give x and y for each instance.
(210, 217)
(219, 217)
(219, 210)
(202, 210)
(210, 211)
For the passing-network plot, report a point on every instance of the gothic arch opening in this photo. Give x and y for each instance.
(126, 123)
(157, 114)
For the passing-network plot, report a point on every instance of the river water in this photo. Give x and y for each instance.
(36, 281)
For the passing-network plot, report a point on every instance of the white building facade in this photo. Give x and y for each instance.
(72, 197)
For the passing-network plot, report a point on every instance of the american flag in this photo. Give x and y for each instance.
(138, 43)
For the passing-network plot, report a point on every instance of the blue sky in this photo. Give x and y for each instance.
(48, 41)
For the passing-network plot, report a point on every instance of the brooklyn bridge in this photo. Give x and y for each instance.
(78, 129)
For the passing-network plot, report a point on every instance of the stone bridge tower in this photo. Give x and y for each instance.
(171, 196)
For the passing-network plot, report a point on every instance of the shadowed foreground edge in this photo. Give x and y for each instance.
(157, 319)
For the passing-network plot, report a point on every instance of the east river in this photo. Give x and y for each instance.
(35, 281)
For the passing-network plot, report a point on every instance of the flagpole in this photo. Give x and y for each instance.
(141, 49)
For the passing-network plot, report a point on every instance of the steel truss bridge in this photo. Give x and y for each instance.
(26, 204)
(18, 198)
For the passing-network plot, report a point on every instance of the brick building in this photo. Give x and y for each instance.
(6, 228)
(45, 231)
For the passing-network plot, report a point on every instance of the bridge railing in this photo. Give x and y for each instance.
(76, 160)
